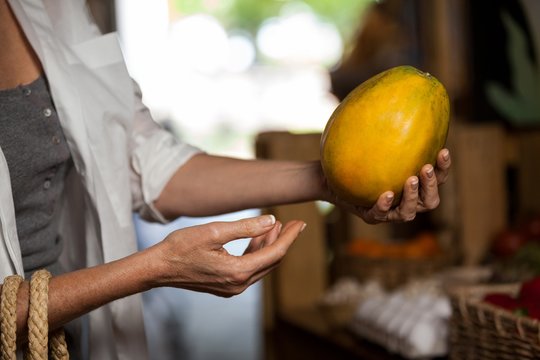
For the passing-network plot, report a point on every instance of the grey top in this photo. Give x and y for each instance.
(38, 159)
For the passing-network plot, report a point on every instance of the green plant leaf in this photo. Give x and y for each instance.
(521, 104)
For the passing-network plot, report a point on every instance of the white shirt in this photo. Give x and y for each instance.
(122, 158)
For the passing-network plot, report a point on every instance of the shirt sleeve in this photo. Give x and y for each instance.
(156, 154)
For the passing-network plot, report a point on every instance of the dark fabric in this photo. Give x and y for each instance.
(38, 158)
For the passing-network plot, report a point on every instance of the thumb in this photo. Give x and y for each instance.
(379, 211)
(223, 232)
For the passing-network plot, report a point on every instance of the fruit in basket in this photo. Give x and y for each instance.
(530, 290)
(529, 297)
(530, 308)
(502, 300)
(526, 303)
(507, 243)
(383, 132)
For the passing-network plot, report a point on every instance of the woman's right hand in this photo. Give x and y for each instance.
(194, 258)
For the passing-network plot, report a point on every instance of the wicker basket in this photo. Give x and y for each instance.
(480, 330)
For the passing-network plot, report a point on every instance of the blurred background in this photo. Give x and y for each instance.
(218, 72)
(249, 78)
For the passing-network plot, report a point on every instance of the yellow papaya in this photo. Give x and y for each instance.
(383, 132)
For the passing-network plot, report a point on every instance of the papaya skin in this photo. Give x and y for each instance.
(382, 133)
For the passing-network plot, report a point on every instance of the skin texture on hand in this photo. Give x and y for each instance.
(420, 194)
(190, 258)
(197, 260)
(208, 185)
(242, 184)
(194, 258)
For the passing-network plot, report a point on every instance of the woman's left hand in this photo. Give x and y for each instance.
(420, 194)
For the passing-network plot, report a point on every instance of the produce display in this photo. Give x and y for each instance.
(515, 251)
(526, 303)
(509, 241)
(383, 132)
(422, 246)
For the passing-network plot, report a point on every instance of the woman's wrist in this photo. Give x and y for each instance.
(155, 268)
(321, 187)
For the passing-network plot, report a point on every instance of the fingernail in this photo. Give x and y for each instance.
(389, 197)
(430, 172)
(267, 220)
(446, 155)
(303, 227)
(414, 184)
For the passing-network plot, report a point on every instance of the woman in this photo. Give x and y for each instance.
(79, 153)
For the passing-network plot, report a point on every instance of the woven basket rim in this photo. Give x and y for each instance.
(468, 301)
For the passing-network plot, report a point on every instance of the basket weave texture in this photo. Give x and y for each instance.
(479, 330)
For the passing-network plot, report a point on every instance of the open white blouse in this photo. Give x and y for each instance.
(122, 158)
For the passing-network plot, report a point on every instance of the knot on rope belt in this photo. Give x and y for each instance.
(39, 344)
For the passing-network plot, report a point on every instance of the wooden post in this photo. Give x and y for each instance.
(301, 278)
(528, 169)
(481, 187)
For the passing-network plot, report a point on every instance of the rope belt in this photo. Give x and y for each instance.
(38, 325)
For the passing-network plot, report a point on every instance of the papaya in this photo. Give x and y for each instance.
(383, 132)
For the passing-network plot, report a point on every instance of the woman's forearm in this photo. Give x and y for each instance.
(189, 258)
(210, 185)
(76, 293)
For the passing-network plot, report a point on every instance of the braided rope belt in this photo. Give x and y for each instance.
(38, 325)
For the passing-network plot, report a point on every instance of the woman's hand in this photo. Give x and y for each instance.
(191, 258)
(194, 258)
(419, 195)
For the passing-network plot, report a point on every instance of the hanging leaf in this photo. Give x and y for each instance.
(520, 104)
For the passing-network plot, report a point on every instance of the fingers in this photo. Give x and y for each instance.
(406, 211)
(379, 212)
(194, 257)
(429, 189)
(382, 211)
(431, 178)
(442, 169)
(273, 253)
(223, 232)
(419, 194)
(261, 241)
(253, 266)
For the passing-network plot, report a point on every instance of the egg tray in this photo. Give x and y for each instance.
(479, 330)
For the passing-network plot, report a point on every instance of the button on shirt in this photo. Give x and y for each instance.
(37, 155)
